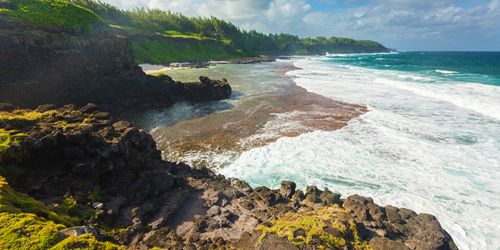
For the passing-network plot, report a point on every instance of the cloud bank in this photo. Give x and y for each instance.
(401, 24)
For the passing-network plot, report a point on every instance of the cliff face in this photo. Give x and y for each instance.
(41, 65)
(114, 172)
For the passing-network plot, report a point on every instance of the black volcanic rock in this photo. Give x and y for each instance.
(116, 171)
(42, 65)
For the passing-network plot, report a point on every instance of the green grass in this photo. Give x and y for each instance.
(186, 35)
(27, 231)
(60, 13)
(312, 225)
(14, 202)
(7, 138)
(27, 224)
(85, 242)
(166, 51)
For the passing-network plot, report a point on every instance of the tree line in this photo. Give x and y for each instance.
(246, 42)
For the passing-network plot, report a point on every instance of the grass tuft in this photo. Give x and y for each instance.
(83, 242)
(323, 227)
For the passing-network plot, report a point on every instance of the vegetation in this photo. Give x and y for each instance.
(161, 51)
(84, 242)
(14, 202)
(61, 13)
(163, 36)
(327, 226)
(9, 137)
(27, 231)
(26, 223)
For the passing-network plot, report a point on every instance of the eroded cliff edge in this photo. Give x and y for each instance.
(49, 64)
(101, 180)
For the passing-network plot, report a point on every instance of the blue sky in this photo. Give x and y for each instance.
(402, 24)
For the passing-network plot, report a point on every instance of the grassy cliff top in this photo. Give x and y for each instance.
(61, 13)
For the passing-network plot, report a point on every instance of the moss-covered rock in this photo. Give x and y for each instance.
(15, 203)
(27, 231)
(322, 228)
(26, 223)
(84, 242)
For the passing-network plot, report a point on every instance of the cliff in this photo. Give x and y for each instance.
(52, 64)
(95, 181)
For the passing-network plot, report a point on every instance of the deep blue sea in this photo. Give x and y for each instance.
(430, 141)
(480, 67)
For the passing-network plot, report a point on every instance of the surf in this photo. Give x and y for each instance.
(432, 146)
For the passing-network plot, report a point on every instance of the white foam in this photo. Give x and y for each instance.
(447, 72)
(431, 147)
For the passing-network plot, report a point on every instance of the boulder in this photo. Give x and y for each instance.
(77, 231)
(287, 189)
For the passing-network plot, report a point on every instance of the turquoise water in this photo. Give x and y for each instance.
(480, 67)
(430, 141)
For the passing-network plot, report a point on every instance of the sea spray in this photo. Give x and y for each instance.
(432, 146)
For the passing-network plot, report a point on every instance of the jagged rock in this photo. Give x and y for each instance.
(48, 64)
(89, 108)
(287, 189)
(7, 107)
(118, 169)
(45, 107)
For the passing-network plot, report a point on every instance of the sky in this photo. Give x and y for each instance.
(406, 25)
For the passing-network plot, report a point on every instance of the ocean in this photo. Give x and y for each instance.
(430, 141)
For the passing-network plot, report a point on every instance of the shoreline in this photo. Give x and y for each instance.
(175, 206)
(257, 120)
(152, 69)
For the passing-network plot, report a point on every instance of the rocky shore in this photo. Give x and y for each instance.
(102, 182)
(73, 177)
(44, 64)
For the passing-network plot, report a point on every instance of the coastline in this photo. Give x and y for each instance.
(152, 69)
(172, 205)
(73, 175)
(254, 120)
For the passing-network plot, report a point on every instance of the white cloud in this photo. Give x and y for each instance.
(263, 15)
(406, 24)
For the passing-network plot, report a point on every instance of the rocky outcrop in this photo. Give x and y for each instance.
(115, 170)
(41, 65)
(204, 90)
